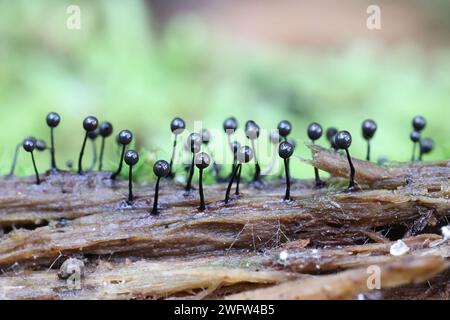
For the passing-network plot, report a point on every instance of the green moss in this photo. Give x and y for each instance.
(115, 68)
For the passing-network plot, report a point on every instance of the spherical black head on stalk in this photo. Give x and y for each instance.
(284, 128)
(369, 127)
(245, 154)
(343, 139)
(93, 134)
(202, 160)
(419, 123)
(194, 142)
(29, 144)
(426, 145)
(177, 125)
(41, 145)
(314, 131)
(124, 137)
(161, 168)
(415, 136)
(31, 138)
(331, 132)
(251, 130)
(53, 119)
(285, 150)
(230, 125)
(249, 123)
(131, 157)
(105, 129)
(206, 136)
(90, 123)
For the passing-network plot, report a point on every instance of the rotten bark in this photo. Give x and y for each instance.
(218, 276)
(70, 214)
(429, 177)
(348, 284)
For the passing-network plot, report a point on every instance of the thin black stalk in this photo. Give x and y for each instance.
(52, 149)
(351, 185)
(319, 182)
(102, 149)
(317, 177)
(233, 166)
(413, 157)
(16, 154)
(238, 179)
(287, 196)
(234, 154)
(94, 156)
(191, 174)
(155, 201)
(171, 174)
(80, 159)
(200, 189)
(38, 181)
(368, 150)
(256, 176)
(233, 176)
(130, 184)
(119, 170)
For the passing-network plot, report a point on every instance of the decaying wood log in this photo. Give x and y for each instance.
(194, 278)
(86, 215)
(347, 284)
(326, 219)
(433, 176)
(313, 260)
(211, 275)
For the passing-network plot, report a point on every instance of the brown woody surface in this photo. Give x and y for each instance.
(228, 248)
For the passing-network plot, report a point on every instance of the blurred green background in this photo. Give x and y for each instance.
(138, 64)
